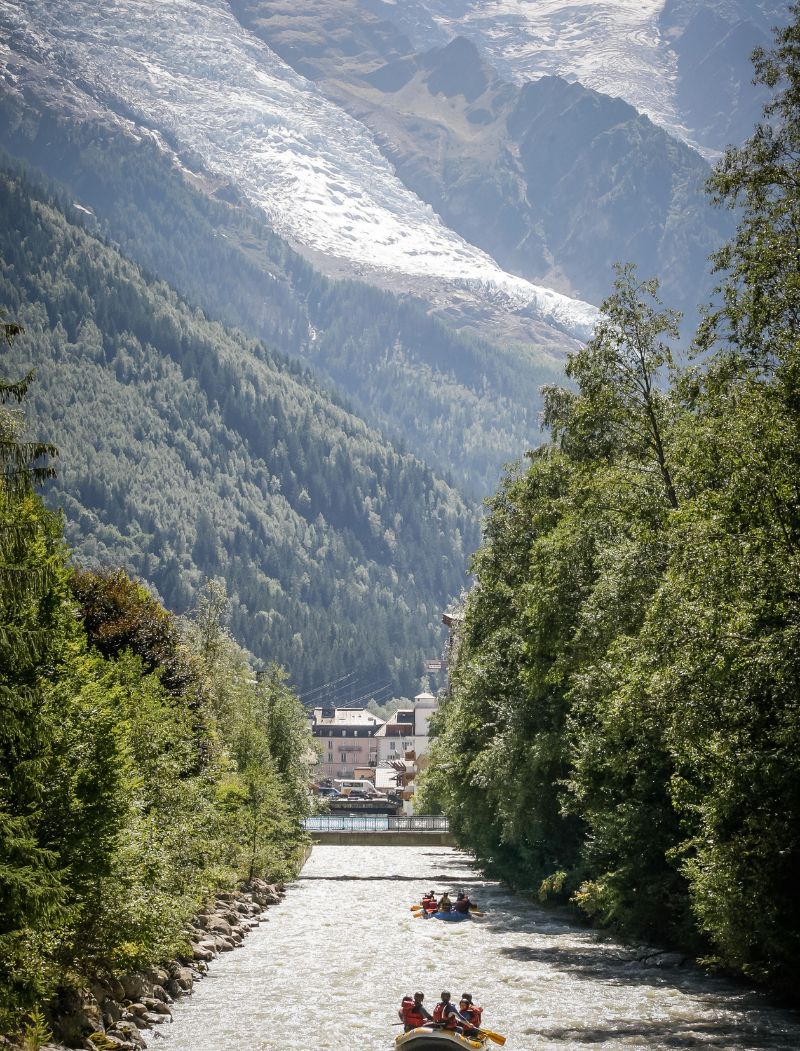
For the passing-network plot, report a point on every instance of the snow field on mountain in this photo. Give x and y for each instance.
(613, 46)
(188, 69)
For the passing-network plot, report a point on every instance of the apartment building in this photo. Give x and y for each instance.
(346, 738)
(407, 730)
(402, 746)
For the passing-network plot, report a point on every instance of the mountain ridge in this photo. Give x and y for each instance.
(554, 180)
(198, 77)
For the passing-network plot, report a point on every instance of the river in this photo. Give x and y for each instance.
(328, 968)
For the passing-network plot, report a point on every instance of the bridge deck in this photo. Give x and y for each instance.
(384, 838)
(380, 830)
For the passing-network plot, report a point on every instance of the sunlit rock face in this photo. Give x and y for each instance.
(188, 71)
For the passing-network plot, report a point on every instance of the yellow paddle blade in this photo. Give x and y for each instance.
(498, 1038)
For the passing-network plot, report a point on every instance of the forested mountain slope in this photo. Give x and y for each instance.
(554, 180)
(459, 402)
(188, 450)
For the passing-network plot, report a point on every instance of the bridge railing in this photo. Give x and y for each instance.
(376, 823)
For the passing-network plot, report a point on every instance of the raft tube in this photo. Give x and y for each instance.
(427, 1039)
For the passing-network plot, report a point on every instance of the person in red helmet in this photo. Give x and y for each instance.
(463, 903)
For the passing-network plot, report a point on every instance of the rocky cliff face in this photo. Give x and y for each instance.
(683, 63)
(712, 43)
(228, 106)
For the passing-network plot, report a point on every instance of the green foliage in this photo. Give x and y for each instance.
(118, 614)
(34, 626)
(36, 1032)
(463, 405)
(143, 764)
(624, 725)
(191, 452)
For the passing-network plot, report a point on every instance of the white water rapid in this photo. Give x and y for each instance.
(328, 969)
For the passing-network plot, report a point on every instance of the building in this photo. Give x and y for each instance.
(407, 730)
(346, 740)
(402, 745)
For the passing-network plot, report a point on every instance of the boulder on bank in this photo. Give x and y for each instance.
(109, 1015)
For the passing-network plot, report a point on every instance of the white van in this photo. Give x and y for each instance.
(356, 789)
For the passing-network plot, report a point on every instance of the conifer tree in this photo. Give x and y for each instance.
(32, 593)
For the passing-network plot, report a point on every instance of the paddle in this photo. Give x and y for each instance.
(498, 1038)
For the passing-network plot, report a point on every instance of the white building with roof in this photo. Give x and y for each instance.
(346, 740)
(402, 745)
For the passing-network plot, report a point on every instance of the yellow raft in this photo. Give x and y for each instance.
(426, 1038)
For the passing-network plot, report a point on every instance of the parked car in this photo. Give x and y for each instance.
(358, 789)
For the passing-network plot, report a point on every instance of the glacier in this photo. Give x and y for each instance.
(187, 70)
(612, 46)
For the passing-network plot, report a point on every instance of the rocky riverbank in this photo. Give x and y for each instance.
(115, 1012)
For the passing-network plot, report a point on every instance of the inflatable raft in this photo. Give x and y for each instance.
(428, 1039)
(448, 917)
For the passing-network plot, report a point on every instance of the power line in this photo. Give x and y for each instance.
(372, 695)
(326, 685)
(364, 691)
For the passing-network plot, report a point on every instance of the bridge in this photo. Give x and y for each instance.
(380, 830)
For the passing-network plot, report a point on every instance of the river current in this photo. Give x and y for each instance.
(327, 969)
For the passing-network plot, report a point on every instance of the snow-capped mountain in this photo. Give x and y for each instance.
(613, 46)
(644, 51)
(188, 71)
(556, 181)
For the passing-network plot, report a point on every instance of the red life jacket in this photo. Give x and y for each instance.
(410, 1013)
(450, 1022)
(474, 1014)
